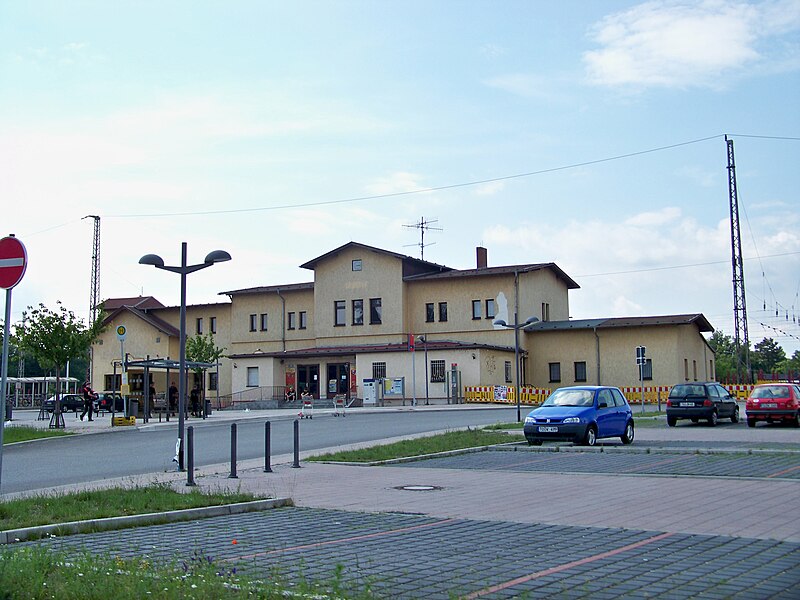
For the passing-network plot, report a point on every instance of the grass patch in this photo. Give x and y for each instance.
(23, 433)
(35, 573)
(115, 502)
(452, 440)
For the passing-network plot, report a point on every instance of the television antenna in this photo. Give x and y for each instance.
(423, 226)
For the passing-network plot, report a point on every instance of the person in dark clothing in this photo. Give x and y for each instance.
(89, 396)
(194, 400)
(173, 398)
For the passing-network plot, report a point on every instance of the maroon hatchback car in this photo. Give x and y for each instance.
(774, 403)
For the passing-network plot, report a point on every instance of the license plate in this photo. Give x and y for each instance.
(548, 429)
(689, 404)
(769, 405)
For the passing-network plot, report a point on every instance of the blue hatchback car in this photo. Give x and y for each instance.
(581, 414)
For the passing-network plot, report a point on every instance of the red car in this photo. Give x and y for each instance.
(774, 403)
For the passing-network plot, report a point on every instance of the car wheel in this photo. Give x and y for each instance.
(751, 422)
(672, 421)
(534, 442)
(627, 437)
(735, 415)
(796, 420)
(713, 419)
(695, 419)
(590, 439)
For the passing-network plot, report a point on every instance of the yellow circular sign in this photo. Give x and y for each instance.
(121, 331)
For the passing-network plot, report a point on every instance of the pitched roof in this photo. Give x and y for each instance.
(287, 287)
(111, 304)
(504, 270)
(149, 318)
(418, 264)
(697, 318)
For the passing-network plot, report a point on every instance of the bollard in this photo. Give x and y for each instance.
(296, 464)
(267, 467)
(233, 452)
(190, 456)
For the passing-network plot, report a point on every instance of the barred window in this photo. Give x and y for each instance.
(379, 370)
(437, 371)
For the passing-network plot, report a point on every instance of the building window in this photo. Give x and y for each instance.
(292, 320)
(199, 326)
(437, 371)
(253, 322)
(555, 372)
(263, 321)
(252, 376)
(338, 313)
(379, 370)
(545, 311)
(694, 369)
(490, 310)
(375, 311)
(442, 311)
(158, 340)
(429, 312)
(508, 371)
(647, 370)
(213, 324)
(476, 309)
(580, 371)
(686, 369)
(358, 312)
(212, 381)
(357, 264)
(303, 319)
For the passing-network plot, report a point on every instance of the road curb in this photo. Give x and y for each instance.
(11, 536)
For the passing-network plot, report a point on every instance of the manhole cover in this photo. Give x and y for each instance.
(418, 488)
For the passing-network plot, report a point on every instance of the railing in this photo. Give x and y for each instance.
(265, 393)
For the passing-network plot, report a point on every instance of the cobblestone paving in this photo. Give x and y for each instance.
(412, 556)
(772, 465)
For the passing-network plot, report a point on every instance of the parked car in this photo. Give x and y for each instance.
(104, 400)
(581, 414)
(708, 401)
(69, 403)
(774, 403)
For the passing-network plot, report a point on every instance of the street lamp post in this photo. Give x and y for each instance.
(516, 327)
(424, 341)
(183, 270)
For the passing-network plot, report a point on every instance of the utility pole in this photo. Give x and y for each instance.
(742, 338)
(423, 226)
(95, 283)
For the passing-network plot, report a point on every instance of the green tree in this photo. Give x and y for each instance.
(201, 348)
(53, 337)
(725, 355)
(767, 355)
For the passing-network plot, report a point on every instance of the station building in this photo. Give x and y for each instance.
(415, 328)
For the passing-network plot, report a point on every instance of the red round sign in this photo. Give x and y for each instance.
(13, 261)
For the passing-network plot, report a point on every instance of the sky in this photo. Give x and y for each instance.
(588, 134)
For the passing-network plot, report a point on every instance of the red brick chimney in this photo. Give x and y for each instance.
(480, 253)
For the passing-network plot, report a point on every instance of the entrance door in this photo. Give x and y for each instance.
(308, 379)
(338, 379)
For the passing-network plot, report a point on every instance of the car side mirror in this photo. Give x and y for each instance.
(602, 405)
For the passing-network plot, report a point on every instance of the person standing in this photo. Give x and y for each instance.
(89, 396)
(173, 398)
(194, 399)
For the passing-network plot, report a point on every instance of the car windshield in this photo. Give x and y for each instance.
(684, 391)
(771, 391)
(570, 398)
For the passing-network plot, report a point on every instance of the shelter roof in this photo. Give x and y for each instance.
(616, 322)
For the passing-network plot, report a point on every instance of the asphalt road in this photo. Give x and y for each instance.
(84, 458)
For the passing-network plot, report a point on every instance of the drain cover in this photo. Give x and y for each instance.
(418, 488)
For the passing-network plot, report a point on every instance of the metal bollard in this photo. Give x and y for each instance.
(233, 452)
(190, 456)
(296, 464)
(267, 444)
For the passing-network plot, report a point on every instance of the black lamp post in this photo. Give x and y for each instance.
(516, 327)
(158, 262)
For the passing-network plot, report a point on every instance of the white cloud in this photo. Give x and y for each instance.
(660, 217)
(680, 43)
(400, 181)
(490, 189)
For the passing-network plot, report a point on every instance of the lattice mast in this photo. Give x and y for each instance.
(95, 285)
(423, 226)
(742, 339)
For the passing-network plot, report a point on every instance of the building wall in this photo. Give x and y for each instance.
(277, 335)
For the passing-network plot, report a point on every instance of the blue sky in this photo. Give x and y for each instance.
(272, 129)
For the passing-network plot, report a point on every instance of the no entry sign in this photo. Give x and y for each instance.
(13, 261)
